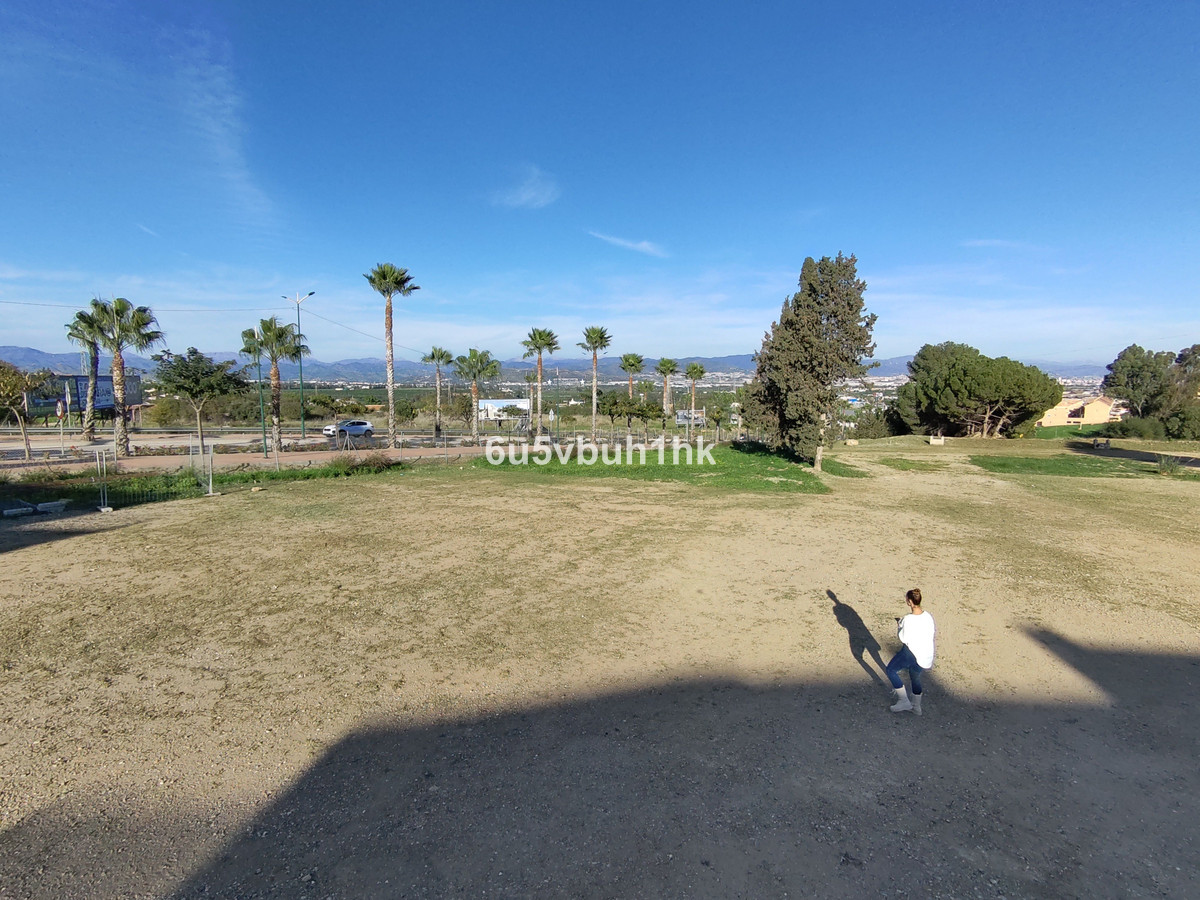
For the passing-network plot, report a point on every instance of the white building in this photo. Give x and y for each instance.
(492, 410)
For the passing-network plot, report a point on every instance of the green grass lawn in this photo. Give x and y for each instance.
(1068, 465)
(1060, 432)
(842, 470)
(731, 470)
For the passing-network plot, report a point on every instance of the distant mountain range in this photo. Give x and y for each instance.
(372, 370)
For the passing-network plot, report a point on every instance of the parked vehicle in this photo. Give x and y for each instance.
(350, 427)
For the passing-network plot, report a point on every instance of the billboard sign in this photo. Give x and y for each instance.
(105, 398)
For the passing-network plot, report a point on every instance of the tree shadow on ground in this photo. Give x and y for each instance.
(30, 531)
(1136, 681)
(862, 641)
(1089, 448)
(706, 789)
(758, 448)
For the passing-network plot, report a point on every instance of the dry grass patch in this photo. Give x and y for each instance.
(198, 655)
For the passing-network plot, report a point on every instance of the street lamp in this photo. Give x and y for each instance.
(298, 300)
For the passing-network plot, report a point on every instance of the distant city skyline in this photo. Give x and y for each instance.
(1019, 177)
(373, 368)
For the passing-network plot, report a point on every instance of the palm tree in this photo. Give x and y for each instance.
(666, 368)
(632, 364)
(82, 330)
(595, 339)
(476, 366)
(540, 340)
(695, 371)
(438, 357)
(388, 281)
(275, 341)
(121, 326)
(530, 379)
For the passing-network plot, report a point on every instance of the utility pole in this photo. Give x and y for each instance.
(298, 300)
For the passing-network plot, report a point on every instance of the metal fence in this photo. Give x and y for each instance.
(103, 489)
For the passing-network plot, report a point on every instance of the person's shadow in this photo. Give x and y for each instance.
(861, 639)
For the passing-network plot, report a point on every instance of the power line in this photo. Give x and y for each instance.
(347, 327)
(364, 333)
(157, 309)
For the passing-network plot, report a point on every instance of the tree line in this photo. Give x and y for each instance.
(822, 338)
(1161, 390)
(118, 326)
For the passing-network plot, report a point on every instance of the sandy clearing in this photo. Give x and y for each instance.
(171, 678)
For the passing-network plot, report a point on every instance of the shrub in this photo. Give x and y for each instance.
(1184, 425)
(342, 464)
(373, 462)
(871, 422)
(1133, 427)
(896, 424)
(167, 411)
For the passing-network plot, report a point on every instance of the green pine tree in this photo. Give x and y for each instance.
(821, 338)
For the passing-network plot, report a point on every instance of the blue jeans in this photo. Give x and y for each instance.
(901, 661)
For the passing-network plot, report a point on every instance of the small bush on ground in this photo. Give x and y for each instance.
(1168, 464)
(343, 464)
(376, 461)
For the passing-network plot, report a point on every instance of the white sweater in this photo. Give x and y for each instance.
(916, 633)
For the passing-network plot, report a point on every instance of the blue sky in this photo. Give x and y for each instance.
(1021, 177)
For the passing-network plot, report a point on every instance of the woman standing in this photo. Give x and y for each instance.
(916, 633)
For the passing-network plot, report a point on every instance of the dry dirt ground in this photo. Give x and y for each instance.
(457, 682)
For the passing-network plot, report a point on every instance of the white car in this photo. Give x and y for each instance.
(351, 427)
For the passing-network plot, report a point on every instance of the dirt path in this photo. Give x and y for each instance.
(452, 684)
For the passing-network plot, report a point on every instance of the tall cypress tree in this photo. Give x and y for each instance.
(821, 339)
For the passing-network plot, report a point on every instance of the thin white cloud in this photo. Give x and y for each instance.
(147, 230)
(211, 104)
(12, 273)
(1037, 317)
(928, 277)
(536, 190)
(638, 246)
(722, 310)
(716, 312)
(1001, 244)
(174, 86)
